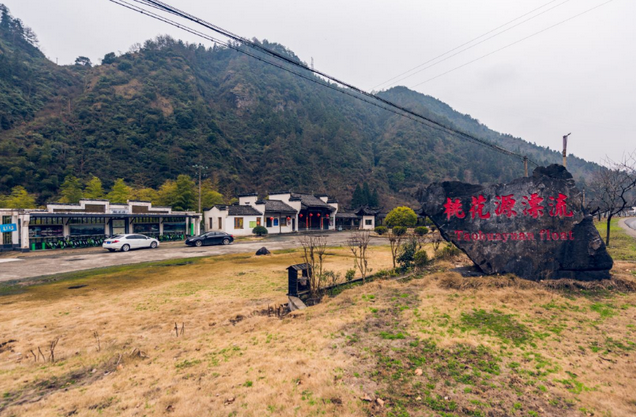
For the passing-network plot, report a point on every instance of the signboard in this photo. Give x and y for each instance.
(7, 228)
(533, 227)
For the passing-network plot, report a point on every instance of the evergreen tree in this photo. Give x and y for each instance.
(94, 189)
(166, 196)
(209, 195)
(19, 199)
(120, 193)
(71, 190)
(366, 194)
(358, 197)
(185, 197)
(146, 194)
(374, 201)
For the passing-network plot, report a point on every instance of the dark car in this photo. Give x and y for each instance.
(210, 238)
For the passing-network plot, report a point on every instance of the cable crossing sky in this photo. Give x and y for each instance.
(354, 92)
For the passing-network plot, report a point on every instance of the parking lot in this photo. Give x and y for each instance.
(18, 266)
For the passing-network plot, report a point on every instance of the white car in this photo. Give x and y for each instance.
(125, 243)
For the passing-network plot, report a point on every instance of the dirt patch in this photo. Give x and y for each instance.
(41, 389)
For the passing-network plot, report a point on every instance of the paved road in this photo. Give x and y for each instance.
(629, 225)
(36, 264)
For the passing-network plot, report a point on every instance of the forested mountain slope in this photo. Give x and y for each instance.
(150, 114)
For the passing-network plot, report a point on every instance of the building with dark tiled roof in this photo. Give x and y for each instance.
(281, 212)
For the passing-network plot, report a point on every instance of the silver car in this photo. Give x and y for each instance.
(125, 243)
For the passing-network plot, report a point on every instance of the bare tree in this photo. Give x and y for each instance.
(613, 188)
(314, 249)
(395, 235)
(358, 244)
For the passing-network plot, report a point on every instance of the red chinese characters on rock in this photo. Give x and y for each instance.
(559, 206)
(533, 205)
(453, 208)
(504, 206)
(477, 208)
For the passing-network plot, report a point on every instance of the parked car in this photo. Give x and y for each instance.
(210, 238)
(125, 243)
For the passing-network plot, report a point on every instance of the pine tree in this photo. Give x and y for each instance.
(19, 199)
(94, 189)
(358, 197)
(120, 193)
(374, 201)
(366, 193)
(71, 190)
(185, 194)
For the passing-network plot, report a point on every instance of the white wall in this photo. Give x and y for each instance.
(246, 230)
(363, 222)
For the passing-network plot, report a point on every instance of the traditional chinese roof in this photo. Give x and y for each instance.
(276, 206)
(310, 201)
(237, 210)
(366, 211)
(342, 215)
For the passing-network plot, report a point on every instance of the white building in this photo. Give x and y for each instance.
(284, 212)
(88, 222)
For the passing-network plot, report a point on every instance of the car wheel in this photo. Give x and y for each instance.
(226, 241)
(153, 245)
(125, 248)
(198, 244)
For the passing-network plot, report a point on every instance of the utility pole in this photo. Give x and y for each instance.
(565, 145)
(200, 168)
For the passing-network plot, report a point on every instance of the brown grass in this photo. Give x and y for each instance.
(232, 360)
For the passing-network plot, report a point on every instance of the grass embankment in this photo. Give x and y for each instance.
(622, 246)
(437, 345)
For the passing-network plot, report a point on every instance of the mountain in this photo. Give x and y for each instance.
(150, 114)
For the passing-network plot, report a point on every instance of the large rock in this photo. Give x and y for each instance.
(263, 251)
(533, 227)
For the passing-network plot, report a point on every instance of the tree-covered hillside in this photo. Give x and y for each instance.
(150, 114)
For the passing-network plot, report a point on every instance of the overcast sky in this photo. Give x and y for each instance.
(579, 76)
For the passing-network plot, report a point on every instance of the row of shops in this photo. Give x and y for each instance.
(90, 222)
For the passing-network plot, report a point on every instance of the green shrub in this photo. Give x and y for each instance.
(399, 230)
(381, 230)
(407, 254)
(421, 230)
(350, 274)
(448, 251)
(259, 230)
(421, 259)
(401, 216)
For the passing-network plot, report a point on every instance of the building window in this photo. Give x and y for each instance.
(220, 223)
(211, 223)
(276, 222)
(268, 222)
(283, 221)
(258, 221)
(368, 222)
(238, 222)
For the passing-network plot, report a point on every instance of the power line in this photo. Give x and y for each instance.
(361, 94)
(472, 46)
(512, 44)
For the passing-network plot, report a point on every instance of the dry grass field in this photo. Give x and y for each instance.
(433, 345)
